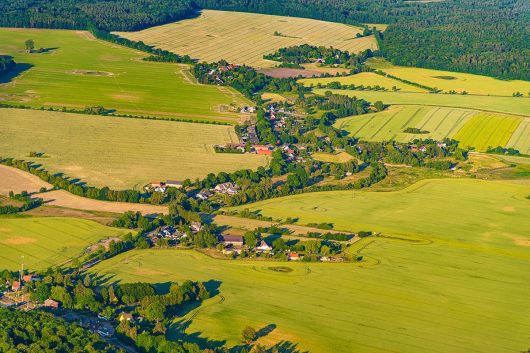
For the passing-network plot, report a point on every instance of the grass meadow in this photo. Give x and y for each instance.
(457, 81)
(47, 241)
(365, 79)
(78, 71)
(509, 105)
(455, 285)
(340, 157)
(243, 38)
(119, 152)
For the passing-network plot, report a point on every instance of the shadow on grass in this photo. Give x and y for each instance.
(12, 74)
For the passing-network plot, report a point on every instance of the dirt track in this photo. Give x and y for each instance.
(17, 180)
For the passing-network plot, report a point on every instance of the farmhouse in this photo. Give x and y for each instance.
(158, 186)
(293, 256)
(173, 184)
(263, 247)
(15, 286)
(264, 150)
(227, 188)
(50, 303)
(232, 240)
(203, 195)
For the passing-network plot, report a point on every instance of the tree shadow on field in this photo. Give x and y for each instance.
(177, 332)
(12, 74)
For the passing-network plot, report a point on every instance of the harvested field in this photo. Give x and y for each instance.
(243, 38)
(85, 72)
(65, 199)
(10, 180)
(251, 224)
(365, 79)
(46, 242)
(118, 152)
(279, 72)
(457, 81)
(509, 105)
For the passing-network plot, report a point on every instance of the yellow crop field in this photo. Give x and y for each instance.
(365, 79)
(488, 130)
(243, 38)
(457, 81)
(521, 137)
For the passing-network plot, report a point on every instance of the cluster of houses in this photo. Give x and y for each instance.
(216, 73)
(166, 232)
(162, 186)
(227, 188)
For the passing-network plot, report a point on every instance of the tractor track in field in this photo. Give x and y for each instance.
(201, 308)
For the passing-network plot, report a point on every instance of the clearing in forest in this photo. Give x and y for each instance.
(243, 38)
(453, 81)
(119, 152)
(385, 303)
(48, 241)
(77, 73)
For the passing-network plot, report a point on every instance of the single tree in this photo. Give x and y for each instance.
(30, 45)
(249, 335)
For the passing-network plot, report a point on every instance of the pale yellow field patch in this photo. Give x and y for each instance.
(243, 38)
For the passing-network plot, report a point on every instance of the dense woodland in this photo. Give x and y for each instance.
(40, 332)
(117, 15)
(490, 39)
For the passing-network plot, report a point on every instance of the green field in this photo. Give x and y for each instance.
(488, 130)
(119, 152)
(389, 124)
(244, 38)
(510, 105)
(459, 284)
(521, 137)
(49, 241)
(79, 71)
(457, 81)
(365, 79)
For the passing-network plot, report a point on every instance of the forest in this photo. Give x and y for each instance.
(490, 39)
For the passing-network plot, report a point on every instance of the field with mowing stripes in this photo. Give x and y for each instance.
(244, 38)
(521, 137)
(509, 105)
(49, 241)
(365, 79)
(457, 81)
(422, 287)
(79, 71)
(119, 152)
(389, 125)
(488, 130)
